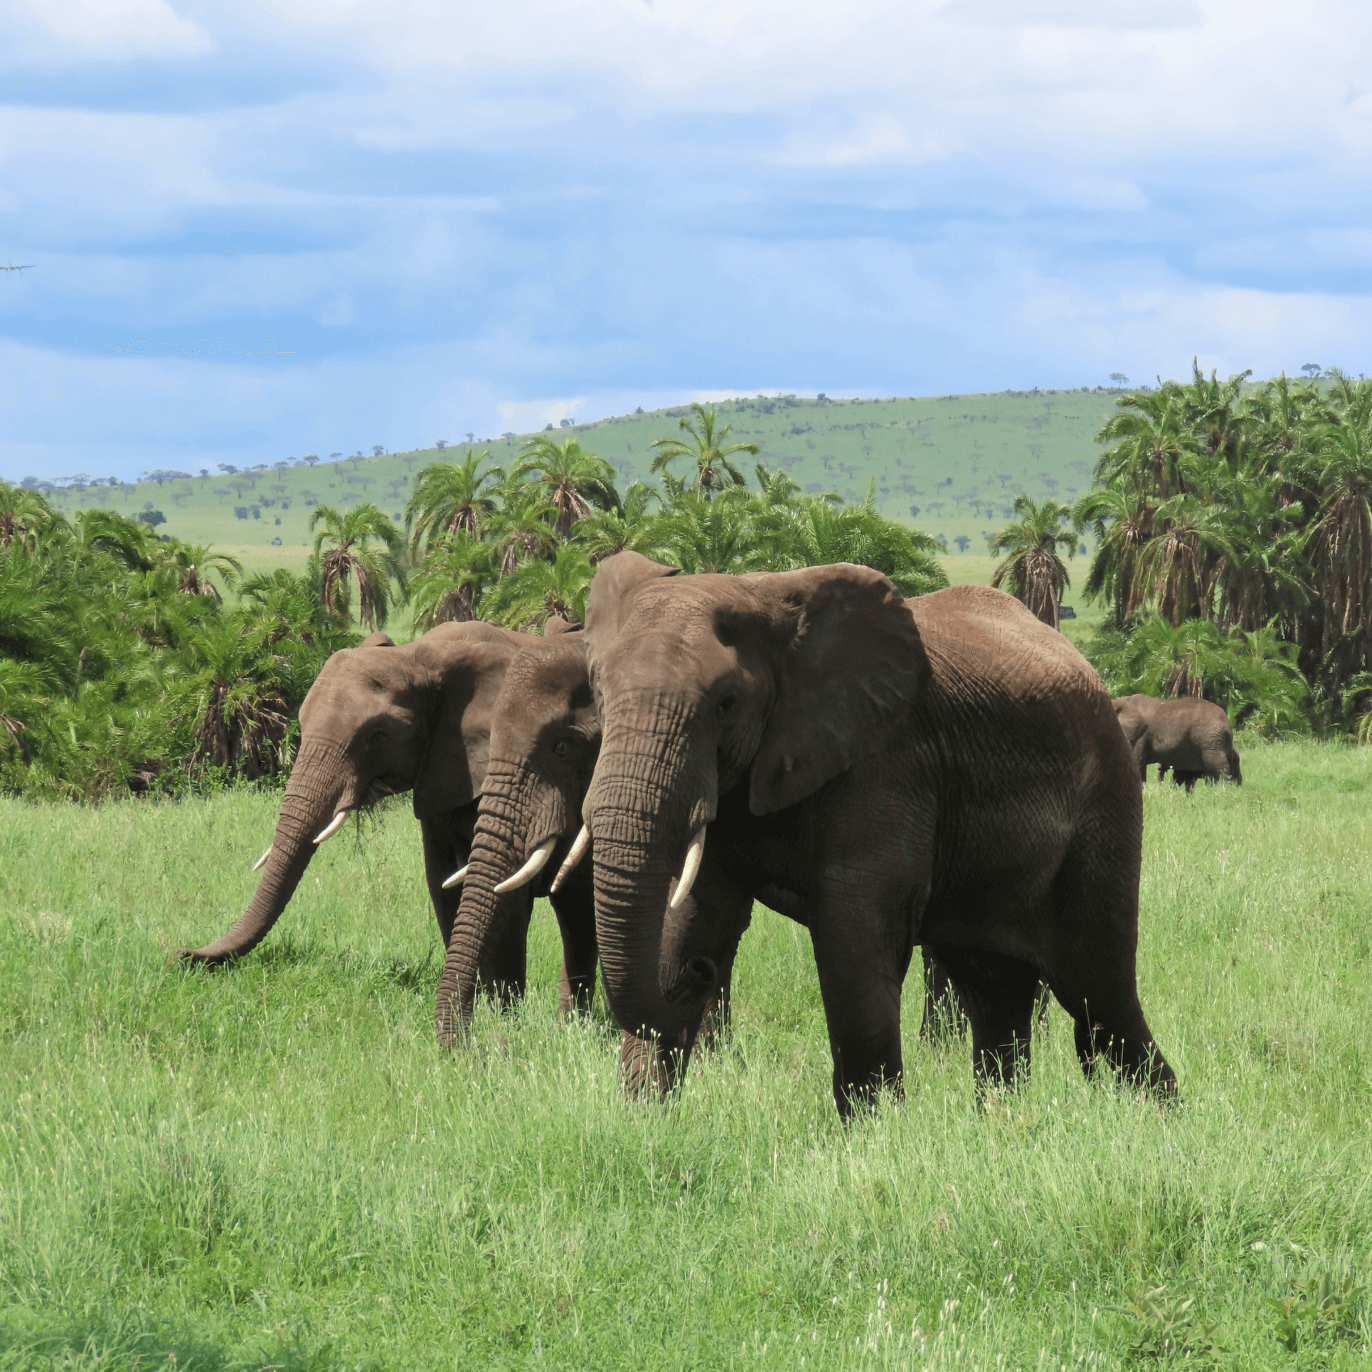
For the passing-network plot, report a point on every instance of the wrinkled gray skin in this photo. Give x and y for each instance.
(380, 720)
(1192, 737)
(545, 737)
(944, 771)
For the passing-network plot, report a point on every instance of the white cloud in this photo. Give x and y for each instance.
(57, 31)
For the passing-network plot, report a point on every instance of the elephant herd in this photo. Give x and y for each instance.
(944, 771)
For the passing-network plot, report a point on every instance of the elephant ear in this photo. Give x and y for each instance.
(377, 640)
(612, 592)
(464, 675)
(852, 668)
(556, 625)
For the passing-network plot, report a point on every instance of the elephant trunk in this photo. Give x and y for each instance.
(488, 940)
(652, 794)
(313, 797)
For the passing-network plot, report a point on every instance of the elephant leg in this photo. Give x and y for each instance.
(651, 1067)
(860, 982)
(447, 840)
(574, 906)
(1186, 778)
(1000, 994)
(944, 1012)
(1093, 973)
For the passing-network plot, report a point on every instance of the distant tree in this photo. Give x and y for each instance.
(332, 456)
(204, 472)
(240, 511)
(282, 464)
(346, 552)
(707, 450)
(564, 423)
(471, 437)
(963, 542)
(575, 481)
(440, 443)
(310, 459)
(228, 468)
(1119, 378)
(509, 435)
(1034, 573)
(450, 497)
(152, 518)
(377, 449)
(1311, 369)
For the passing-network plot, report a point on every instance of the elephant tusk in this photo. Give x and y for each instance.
(457, 878)
(578, 851)
(689, 869)
(257, 865)
(335, 824)
(530, 869)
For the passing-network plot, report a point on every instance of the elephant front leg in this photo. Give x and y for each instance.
(447, 840)
(944, 1013)
(574, 906)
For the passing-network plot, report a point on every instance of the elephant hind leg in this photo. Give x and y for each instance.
(944, 1012)
(999, 995)
(1187, 779)
(1122, 1038)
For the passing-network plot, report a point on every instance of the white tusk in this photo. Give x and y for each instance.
(530, 869)
(578, 851)
(689, 869)
(256, 865)
(335, 824)
(457, 878)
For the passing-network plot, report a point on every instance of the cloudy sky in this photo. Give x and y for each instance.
(266, 229)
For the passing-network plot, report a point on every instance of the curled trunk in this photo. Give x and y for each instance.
(317, 789)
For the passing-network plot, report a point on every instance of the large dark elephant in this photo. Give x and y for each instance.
(545, 737)
(380, 720)
(1192, 737)
(944, 771)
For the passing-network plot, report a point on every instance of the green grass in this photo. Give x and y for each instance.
(938, 453)
(275, 1165)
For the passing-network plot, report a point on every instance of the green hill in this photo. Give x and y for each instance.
(951, 465)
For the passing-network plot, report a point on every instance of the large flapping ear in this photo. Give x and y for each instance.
(556, 624)
(377, 640)
(612, 593)
(465, 675)
(849, 674)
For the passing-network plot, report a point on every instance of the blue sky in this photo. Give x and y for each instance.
(270, 229)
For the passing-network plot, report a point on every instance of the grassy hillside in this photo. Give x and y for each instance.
(275, 1165)
(958, 461)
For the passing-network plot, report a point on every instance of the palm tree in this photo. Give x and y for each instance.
(576, 482)
(521, 527)
(702, 535)
(241, 702)
(351, 556)
(631, 527)
(537, 589)
(25, 516)
(1149, 437)
(449, 497)
(449, 581)
(1034, 573)
(707, 450)
(813, 531)
(1341, 543)
(193, 563)
(1122, 522)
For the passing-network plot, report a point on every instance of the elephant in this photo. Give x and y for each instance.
(1192, 737)
(942, 771)
(545, 737)
(380, 720)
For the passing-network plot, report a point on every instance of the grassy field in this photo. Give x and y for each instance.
(274, 1165)
(958, 460)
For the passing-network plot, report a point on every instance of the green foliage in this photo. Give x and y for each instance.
(1162, 1326)
(1321, 1306)
(1034, 573)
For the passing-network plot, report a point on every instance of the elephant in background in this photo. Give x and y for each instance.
(380, 720)
(943, 771)
(1192, 737)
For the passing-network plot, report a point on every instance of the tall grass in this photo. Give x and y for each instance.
(275, 1165)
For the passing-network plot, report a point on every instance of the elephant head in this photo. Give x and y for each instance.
(545, 734)
(775, 682)
(379, 720)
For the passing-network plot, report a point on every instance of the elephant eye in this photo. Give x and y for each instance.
(727, 706)
(561, 748)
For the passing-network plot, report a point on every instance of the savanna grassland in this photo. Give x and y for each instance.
(275, 1165)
